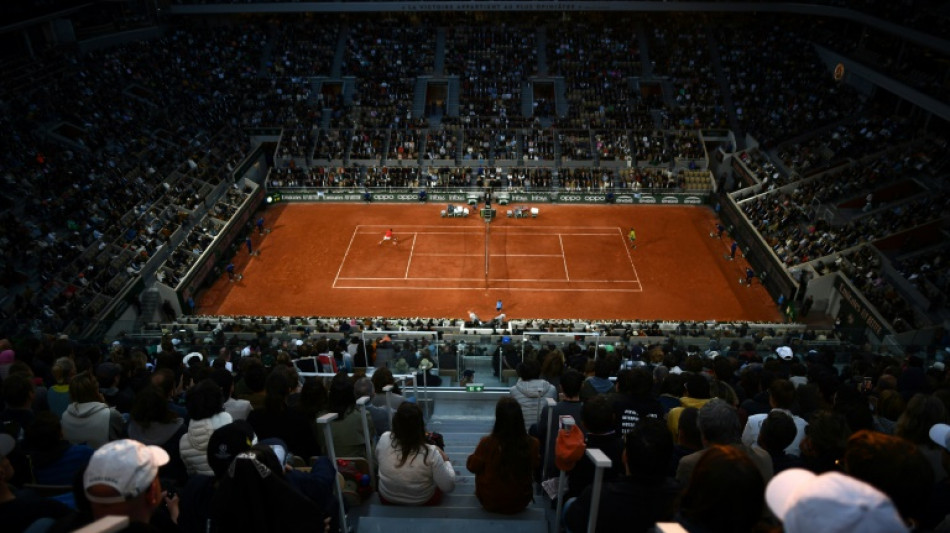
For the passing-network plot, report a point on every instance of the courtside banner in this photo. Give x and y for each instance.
(289, 195)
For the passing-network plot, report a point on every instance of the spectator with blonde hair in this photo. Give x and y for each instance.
(64, 370)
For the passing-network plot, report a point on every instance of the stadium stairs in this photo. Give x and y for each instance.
(462, 418)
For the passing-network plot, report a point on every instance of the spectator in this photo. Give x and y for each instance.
(58, 396)
(826, 435)
(238, 409)
(503, 461)
(349, 435)
(122, 480)
(152, 423)
(688, 439)
(412, 471)
(895, 467)
(781, 398)
(254, 495)
(364, 387)
(53, 459)
(530, 391)
(719, 424)
(696, 394)
(600, 382)
(381, 378)
(18, 514)
(922, 413)
(776, 433)
(277, 420)
(831, 502)
(570, 405)
(88, 420)
(601, 434)
(724, 493)
(644, 495)
(17, 414)
(633, 401)
(205, 408)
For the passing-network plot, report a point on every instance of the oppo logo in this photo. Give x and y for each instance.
(384, 197)
(569, 198)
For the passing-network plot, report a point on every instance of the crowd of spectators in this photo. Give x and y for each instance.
(774, 410)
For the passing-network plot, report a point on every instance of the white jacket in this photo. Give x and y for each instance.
(193, 446)
(414, 482)
(530, 395)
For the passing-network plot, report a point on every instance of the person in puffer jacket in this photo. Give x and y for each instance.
(531, 391)
(88, 419)
(205, 405)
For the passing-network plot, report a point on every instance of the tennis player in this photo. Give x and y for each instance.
(388, 237)
(633, 238)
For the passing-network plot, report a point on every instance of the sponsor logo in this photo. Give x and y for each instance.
(647, 200)
(692, 200)
(384, 197)
(670, 200)
(569, 198)
(624, 200)
(595, 198)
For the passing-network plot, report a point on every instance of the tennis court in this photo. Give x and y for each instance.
(518, 258)
(569, 262)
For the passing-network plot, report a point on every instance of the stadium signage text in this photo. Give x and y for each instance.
(289, 195)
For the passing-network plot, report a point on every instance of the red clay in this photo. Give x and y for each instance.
(569, 262)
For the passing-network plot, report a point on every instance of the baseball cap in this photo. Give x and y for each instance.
(126, 465)
(940, 434)
(7, 444)
(830, 502)
(784, 352)
(227, 442)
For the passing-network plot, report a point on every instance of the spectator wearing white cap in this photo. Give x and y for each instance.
(122, 479)
(831, 502)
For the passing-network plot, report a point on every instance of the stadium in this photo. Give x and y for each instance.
(479, 178)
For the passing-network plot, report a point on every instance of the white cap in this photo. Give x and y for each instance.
(831, 502)
(940, 434)
(126, 465)
(187, 359)
(785, 353)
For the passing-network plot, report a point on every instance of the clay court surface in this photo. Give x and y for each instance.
(569, 262)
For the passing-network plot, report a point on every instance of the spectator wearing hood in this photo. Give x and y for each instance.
(88, 419)
(530, 391)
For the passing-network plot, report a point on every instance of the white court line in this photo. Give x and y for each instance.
(629, 255)
(409, 262)
(560, 241)
(346, 254)
(457, 288)
(490, 255)
(522, 280)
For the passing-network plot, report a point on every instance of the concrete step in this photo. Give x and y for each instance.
(446, 509)
(386, 524)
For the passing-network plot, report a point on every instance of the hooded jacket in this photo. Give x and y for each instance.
(92, 424)
(193, 445)
(530, 395)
